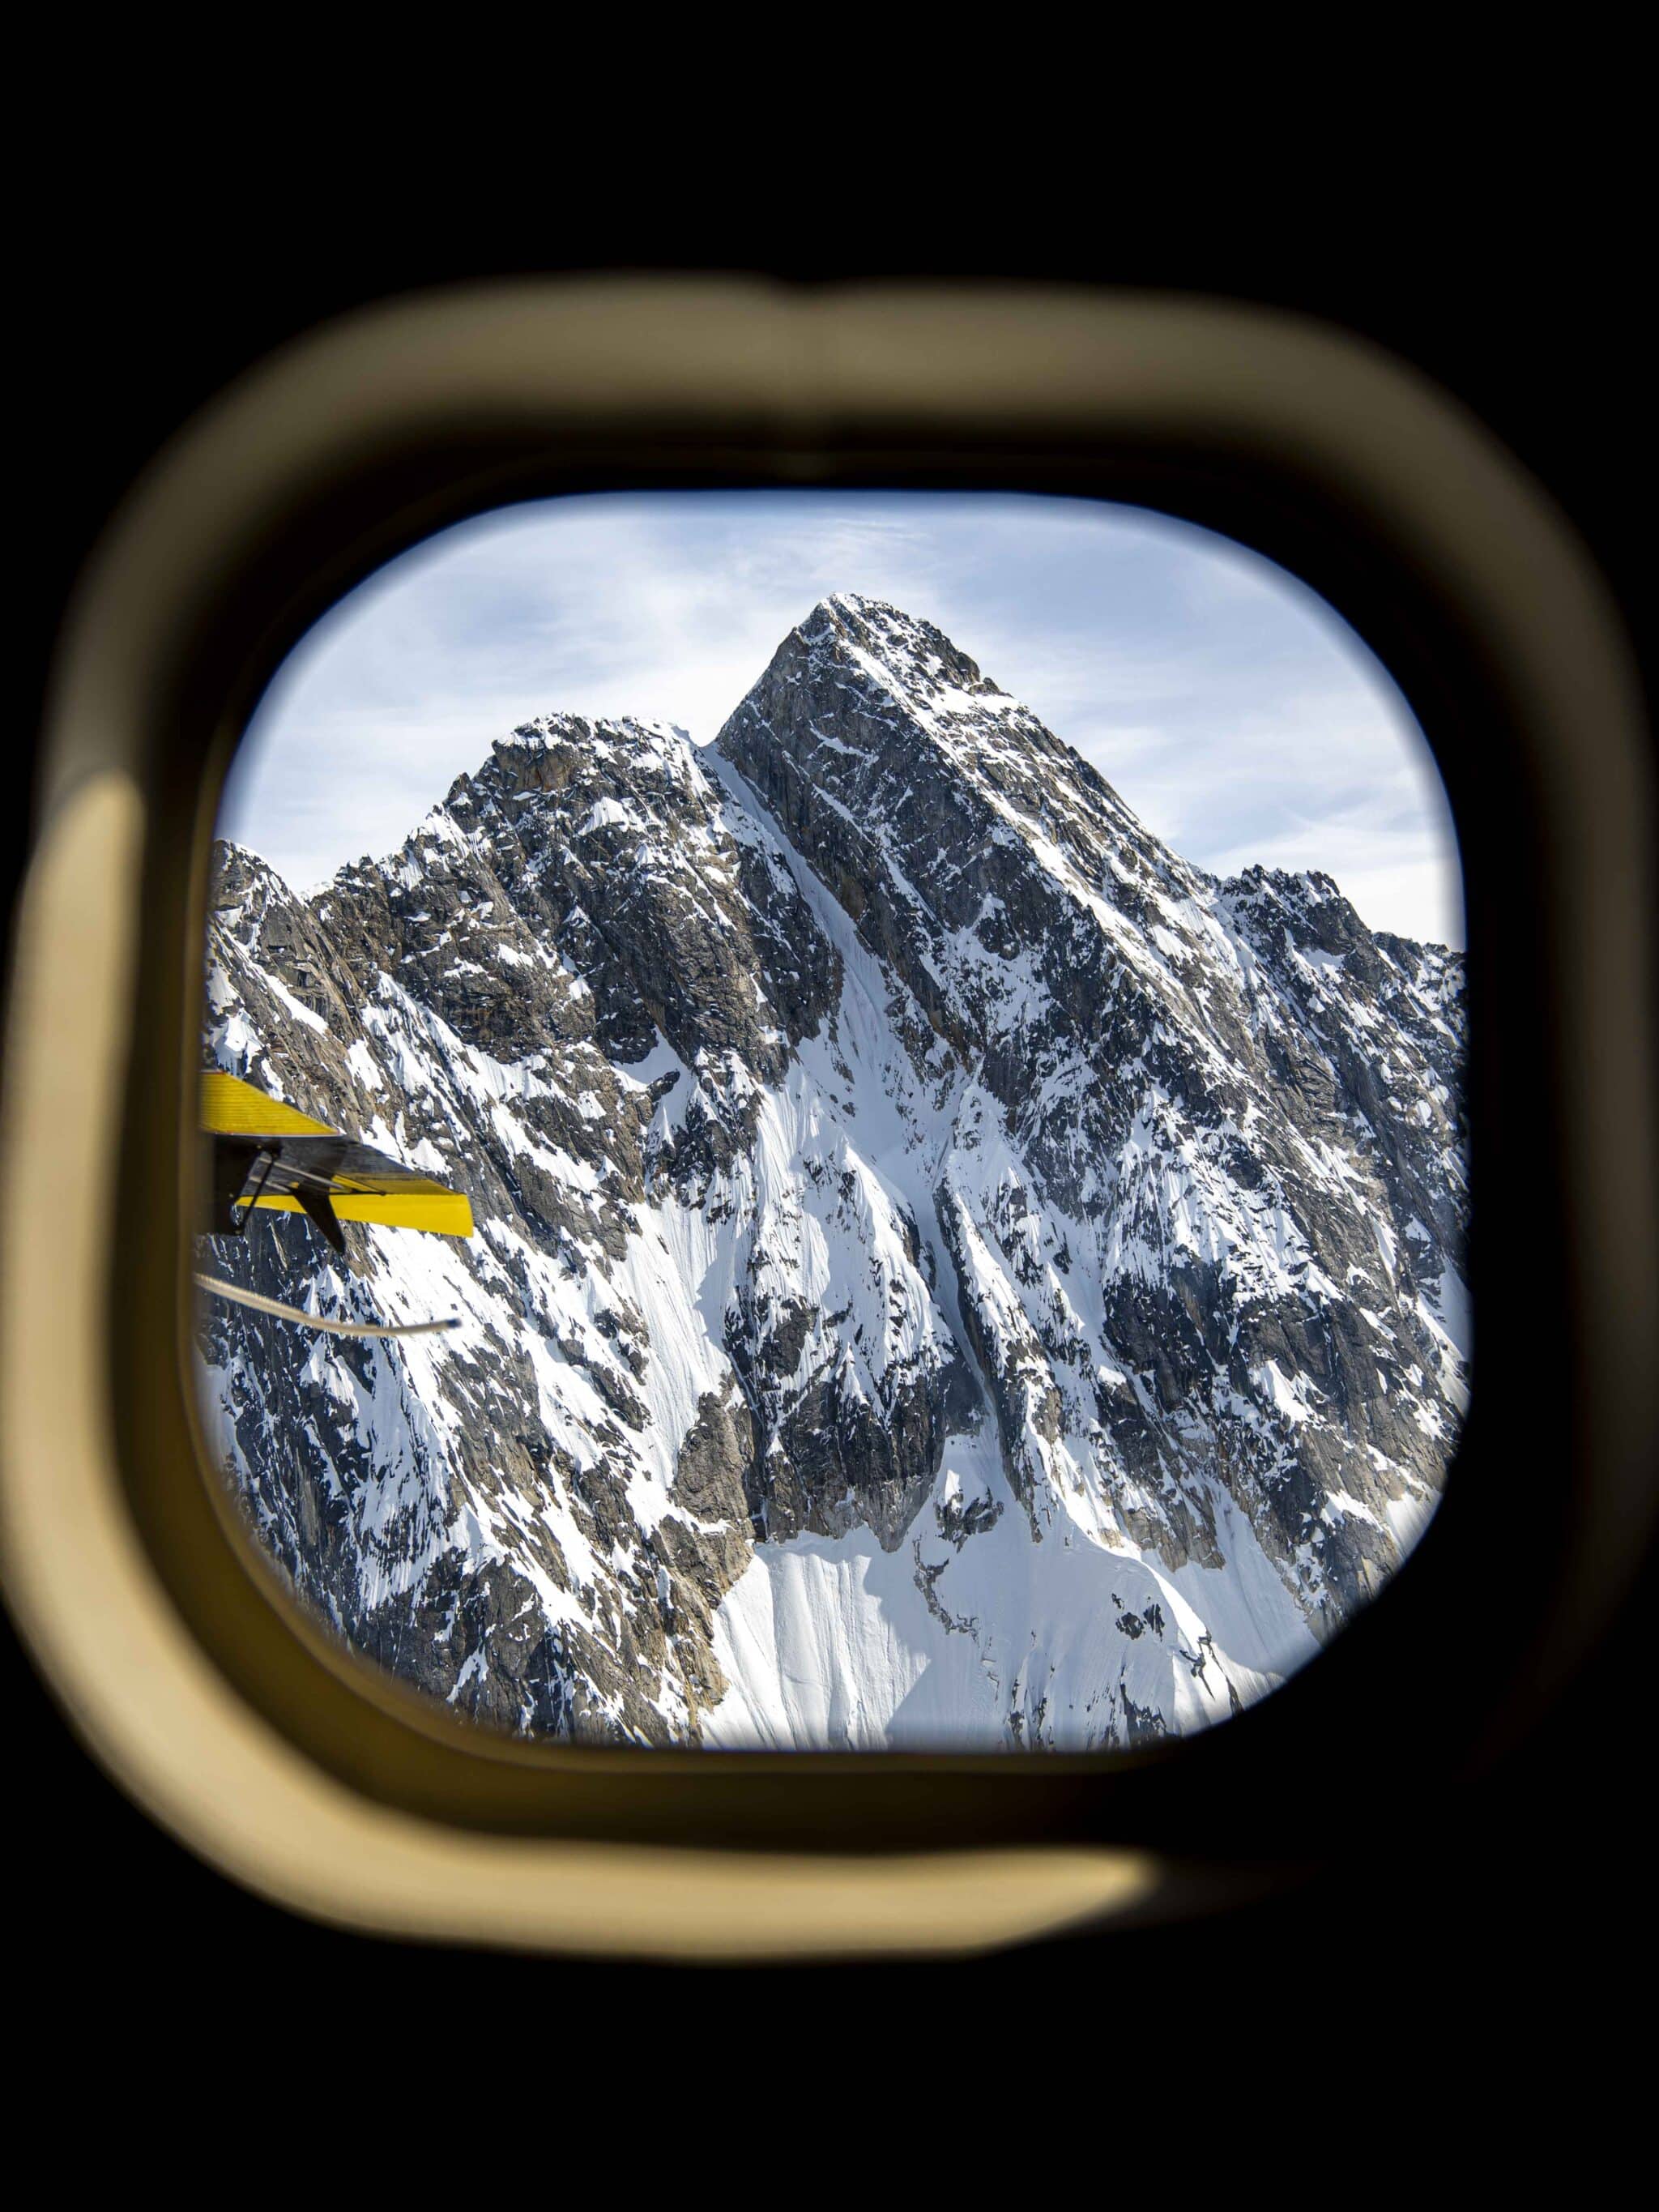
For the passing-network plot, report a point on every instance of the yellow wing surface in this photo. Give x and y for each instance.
(289, 1152)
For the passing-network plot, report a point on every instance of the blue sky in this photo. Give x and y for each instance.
(1230, 707)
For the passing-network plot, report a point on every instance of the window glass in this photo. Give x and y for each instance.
(918, 1039)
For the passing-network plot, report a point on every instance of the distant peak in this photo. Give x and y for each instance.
(563, 729)
(915, 655)
(550, 750)
(229, 863)
(856, 611)
(858, 607)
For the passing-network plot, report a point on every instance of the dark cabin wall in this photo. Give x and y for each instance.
(1524, 300)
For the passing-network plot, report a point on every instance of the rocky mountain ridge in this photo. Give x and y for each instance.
(948, 1271)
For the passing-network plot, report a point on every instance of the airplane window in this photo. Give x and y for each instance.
(834, 1120)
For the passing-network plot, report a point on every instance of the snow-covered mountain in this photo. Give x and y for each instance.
(947, 1271)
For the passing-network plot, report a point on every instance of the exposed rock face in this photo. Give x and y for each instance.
(947, 1270)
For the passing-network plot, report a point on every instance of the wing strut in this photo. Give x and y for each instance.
(318, 1209)
(241, 1297)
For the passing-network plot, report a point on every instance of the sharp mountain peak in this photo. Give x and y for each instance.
(947, 1271)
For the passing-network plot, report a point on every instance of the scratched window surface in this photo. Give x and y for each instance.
(913, 1046)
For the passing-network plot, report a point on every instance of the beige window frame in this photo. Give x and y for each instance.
(313, 1778)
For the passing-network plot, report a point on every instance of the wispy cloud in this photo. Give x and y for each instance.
(1230, 707)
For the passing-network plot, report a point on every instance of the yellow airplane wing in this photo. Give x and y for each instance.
(268, 1155)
